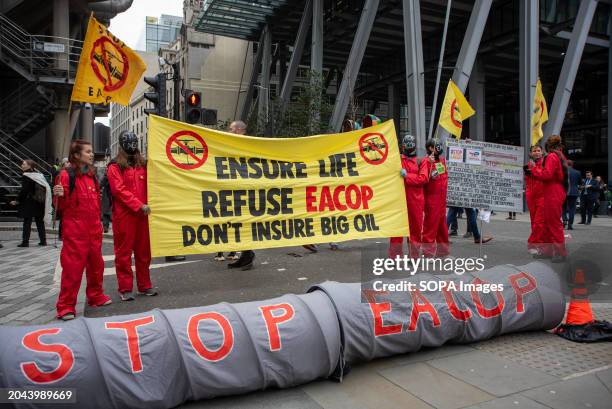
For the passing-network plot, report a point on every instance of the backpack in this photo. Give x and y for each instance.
(72, 182)
(40, 193)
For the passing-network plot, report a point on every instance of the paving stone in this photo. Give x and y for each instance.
(435, 387)
(293, 398)
(582, 392)
(363, 388)
(31, 315)
(605, 377)
(491, 373)
(512, 401)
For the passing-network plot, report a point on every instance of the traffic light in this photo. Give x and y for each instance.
(158, 96)
(193, 107)
(209, 116)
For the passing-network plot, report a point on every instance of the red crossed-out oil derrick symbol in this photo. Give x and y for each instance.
(373, 148)
(109, 63)
(186, 150)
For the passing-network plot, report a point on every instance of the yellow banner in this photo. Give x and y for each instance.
(213, 191)
(108, 69)
(455, 109)
(540, 115)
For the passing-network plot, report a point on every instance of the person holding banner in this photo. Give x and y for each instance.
(553, 175)
(435, 231)
(127, 178)
(415, 173)
(78, 195)
(535, 201)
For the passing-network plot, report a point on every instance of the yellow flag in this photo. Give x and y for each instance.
(108, 69)
(455, 109)
(540, 115)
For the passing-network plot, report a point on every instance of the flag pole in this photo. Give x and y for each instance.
(440, 61)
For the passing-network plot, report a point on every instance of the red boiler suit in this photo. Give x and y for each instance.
(82, 238)
(435, 230)
(554, 193)
(534, 194)
(417, 176)
(130, 226)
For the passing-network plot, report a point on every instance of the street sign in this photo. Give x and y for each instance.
(49, 47)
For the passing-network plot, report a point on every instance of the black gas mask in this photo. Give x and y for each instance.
(435, 146)
(409, 145)
(128, 142)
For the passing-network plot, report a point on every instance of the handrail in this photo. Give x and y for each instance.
(19, 149)
(35, 53)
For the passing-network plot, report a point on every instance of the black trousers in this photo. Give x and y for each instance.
(569, 209)
(586, 209)
(27, 228)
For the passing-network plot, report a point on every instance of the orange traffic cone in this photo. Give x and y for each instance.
(579, 311)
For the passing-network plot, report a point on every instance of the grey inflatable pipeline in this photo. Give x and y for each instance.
(162, 358)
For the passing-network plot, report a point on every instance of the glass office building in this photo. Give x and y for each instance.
(161, 31)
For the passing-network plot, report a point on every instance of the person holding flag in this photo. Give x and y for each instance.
(535, 201)
(553, 175)
(415, 173)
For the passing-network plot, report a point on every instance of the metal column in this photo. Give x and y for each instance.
(415, 76)
(296, 56)
(610, 97)
(61, 28)
(469, 47)
(248, 100)
(316, 64)
(528, 72)
(393, 109)
(563, 92)
(477, 99)
(263, 105)
(366, 21)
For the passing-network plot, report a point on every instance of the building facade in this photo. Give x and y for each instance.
(161, 31)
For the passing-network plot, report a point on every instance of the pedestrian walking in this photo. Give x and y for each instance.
(589, 191)
(78, 195)
(569, 207)
(34, 202)
(127, 179)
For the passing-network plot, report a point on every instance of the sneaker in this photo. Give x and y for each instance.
(219, 257)
(67, 317)
(533, 252)
(24, 245)
(484, 239)
(467, 235)
(311, 247)
(233, 256)
(42, 243)
(149, 292)
(453, 233)
(107, 302)
(333, 246)
(127, 296)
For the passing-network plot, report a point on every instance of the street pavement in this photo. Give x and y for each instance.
(526, 370)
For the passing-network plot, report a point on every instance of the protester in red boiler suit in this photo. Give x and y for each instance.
(415, 173)
(435, 231)
(127, 178)
(534, 194)
(553, 174)
(79, 201)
